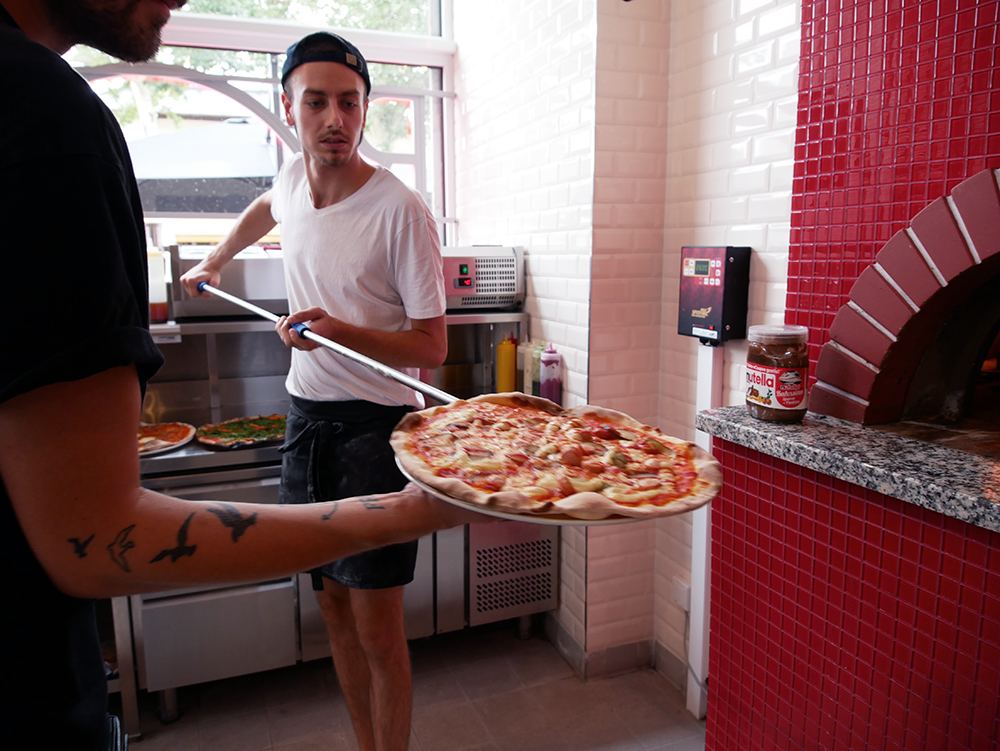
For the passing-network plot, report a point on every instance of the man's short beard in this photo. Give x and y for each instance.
(339, 161)
(112, 31)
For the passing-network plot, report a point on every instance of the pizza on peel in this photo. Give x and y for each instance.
(526, 455)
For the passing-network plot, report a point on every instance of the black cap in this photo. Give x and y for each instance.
(324, 47)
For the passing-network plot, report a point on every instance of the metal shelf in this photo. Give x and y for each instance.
(247, 325)
(510, 316)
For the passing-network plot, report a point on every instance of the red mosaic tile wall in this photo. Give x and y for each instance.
(898, 103)
(841, 618)
(844, 619)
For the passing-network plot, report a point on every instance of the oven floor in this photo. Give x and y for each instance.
(482, 689)
(979, 433)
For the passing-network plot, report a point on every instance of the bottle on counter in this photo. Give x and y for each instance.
(156, 268)
(551, 375)
(536, 368)
(777, 369)
(522, 356)
(506, 365)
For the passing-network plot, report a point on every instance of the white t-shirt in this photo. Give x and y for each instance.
(372, 260)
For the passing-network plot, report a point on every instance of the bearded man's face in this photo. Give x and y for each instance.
(126, 29)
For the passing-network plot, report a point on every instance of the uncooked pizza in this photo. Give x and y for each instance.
(241, 432)
(159, 437)
(525, 455)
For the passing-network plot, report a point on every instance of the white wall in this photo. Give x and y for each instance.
(524, 163)
(629, 186)
(603, 136)
(730, 137)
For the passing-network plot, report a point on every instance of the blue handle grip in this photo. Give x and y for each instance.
(299, 328)
(201, 286)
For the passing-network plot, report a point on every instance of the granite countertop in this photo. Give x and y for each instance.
(956, 483)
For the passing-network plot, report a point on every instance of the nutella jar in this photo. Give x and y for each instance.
(777, 368)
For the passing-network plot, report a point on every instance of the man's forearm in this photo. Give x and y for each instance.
(397, 349)
(255, 222)
(424, 345)
(76, 492)
(165, 543)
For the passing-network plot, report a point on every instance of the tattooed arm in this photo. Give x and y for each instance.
(69, 462)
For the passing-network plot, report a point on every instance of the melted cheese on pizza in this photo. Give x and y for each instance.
(496, 447)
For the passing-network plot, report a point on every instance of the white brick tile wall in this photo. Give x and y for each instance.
(625, 309)
(572, 584)
(524, 165)
(729, 183)
(610, 135)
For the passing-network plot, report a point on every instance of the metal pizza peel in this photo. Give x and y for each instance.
(434, 393)
(306, 333)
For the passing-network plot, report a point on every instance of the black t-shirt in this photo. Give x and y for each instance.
(73, 303)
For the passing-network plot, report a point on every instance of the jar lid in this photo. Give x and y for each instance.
(777, 334)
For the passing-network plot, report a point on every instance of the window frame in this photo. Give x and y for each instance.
(259, 35)
(274, 37)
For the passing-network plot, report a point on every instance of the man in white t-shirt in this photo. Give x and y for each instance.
(362, 268)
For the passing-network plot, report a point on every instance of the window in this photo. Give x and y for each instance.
(206, 130)
(406, 16)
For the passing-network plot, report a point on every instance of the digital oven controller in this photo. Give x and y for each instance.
(713, 295)
(707, 272)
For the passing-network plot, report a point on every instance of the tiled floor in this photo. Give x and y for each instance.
(481, 689)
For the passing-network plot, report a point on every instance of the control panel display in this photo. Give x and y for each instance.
(707, 270)
(714, 288)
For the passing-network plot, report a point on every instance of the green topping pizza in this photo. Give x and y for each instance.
(243, 431)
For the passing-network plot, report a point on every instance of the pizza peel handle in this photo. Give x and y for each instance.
(306, 333)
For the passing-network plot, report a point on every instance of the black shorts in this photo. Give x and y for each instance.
(337, 450)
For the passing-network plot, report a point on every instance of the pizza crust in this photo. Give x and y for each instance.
(583, 506)
(150, 444)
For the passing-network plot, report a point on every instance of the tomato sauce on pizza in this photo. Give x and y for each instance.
(161, 436)
(527, 455)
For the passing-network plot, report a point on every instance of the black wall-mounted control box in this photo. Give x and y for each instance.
(714, 291)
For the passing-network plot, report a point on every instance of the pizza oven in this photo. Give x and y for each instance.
(221, 363)
(914, 351)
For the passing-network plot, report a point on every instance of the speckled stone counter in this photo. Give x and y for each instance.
(955, 483)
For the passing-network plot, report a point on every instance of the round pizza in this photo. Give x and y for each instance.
(242, 431)
(163, 436)
(526, 455)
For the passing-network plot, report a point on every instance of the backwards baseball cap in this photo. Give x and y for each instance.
(324, 47)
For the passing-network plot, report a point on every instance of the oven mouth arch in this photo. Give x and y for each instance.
(894, 337)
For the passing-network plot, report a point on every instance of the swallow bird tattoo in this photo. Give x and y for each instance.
(120, 546)
(230, 517)
(182, 549)
(80, 548)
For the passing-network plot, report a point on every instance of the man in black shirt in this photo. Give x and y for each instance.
(76, 354)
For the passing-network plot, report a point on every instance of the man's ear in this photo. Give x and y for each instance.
(286, 102)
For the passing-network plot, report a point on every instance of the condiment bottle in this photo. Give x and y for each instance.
(522, 356)
(506, 365)
(551, 375)
(777, 369)
(536, 368)
(157, 286)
